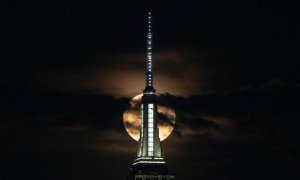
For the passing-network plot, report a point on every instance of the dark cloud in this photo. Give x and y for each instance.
(82, 136)
(245, 131)
(32, 105)
(48, 134)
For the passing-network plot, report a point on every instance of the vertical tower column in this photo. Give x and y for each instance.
(149, 64)
(149, 142)
(149, 67)
(149, 162)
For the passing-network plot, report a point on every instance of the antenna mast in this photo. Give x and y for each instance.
(149, 74)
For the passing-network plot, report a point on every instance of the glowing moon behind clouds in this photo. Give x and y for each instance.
(132, 119)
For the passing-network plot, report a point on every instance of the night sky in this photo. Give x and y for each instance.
(230, 69)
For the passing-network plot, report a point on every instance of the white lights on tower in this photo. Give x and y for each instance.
(149, 81)
(149, 163)
(142, 118)
(150, 130)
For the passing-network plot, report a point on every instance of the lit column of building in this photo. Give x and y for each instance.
(149, 162)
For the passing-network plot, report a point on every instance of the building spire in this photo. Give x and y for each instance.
(149, 67)
(149, 162)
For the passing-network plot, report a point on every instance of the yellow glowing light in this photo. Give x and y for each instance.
(132, 119)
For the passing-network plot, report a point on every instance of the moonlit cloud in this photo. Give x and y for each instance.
(111, 142)
(132, 119)
(122, 75)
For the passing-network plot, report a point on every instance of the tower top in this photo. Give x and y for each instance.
(149, 66)
(149, 162)
(149, 20)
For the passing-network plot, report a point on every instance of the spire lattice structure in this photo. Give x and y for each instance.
(149, 162)
(149, 65)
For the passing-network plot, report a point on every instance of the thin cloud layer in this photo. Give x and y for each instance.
(177, 71)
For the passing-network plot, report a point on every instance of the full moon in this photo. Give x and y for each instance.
(132, 119)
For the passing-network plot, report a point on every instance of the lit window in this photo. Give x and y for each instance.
(142, 132)
(150, 129)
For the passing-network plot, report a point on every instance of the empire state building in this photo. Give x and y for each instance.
(149, 163)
